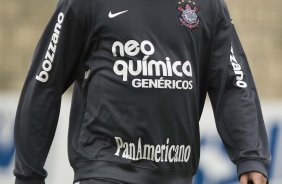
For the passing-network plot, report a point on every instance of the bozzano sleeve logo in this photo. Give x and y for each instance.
(43, 76)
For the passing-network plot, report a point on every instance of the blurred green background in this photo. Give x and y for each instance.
(258, 24)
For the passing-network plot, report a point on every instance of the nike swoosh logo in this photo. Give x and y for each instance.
(112, 15)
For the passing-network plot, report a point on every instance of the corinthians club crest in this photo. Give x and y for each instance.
(188, 16)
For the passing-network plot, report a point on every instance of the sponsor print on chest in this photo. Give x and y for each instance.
(150, 73)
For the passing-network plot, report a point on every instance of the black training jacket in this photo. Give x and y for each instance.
(141, 71)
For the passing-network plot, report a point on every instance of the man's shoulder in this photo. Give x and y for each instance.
(212, 4)
(77, 4)
(81, 8)
(214, 7)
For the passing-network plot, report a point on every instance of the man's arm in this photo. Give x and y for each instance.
(57, 62)
(235, 101)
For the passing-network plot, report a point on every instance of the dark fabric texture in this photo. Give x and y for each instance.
(100, 181)
(141, 72)
(29, 181)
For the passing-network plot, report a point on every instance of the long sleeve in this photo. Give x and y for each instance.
(57, 62)
(235, 100)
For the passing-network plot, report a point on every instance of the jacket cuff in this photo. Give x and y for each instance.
(29, 181)
(251, 166)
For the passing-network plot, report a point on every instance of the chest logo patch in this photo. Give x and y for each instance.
(113, 15)
(188, 16)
